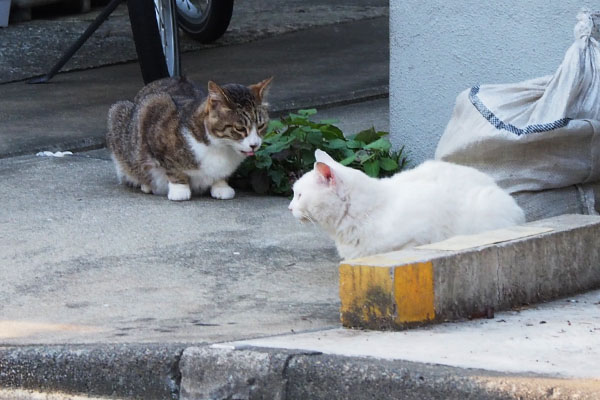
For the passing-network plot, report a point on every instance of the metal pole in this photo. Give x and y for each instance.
(80, 41)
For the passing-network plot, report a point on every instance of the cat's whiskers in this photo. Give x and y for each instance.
(304, 218)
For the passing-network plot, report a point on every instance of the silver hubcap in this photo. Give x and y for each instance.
(192, 9)
(164, 18)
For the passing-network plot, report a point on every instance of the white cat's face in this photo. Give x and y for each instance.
(319, 195)
(306, 194)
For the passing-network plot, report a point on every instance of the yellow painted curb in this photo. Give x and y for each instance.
(376, 297)
(413, 292)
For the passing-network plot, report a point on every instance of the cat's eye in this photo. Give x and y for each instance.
(261, 127)
(239, 129)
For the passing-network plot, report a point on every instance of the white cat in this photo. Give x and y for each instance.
(429, 203)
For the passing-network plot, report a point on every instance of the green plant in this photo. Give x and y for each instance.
(289, 146)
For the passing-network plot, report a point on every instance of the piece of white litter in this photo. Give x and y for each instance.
(222, 346)
(236, 253)
(55, 154)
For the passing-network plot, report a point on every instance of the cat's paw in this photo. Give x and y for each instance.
(225, 192)
(179, 192)
(146, 188)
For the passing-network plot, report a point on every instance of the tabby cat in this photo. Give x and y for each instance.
(174, 139)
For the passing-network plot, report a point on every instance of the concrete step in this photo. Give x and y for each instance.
(472, 276)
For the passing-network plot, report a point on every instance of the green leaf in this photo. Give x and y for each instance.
(285, 189)
(299, 134)
(367, 136)
(346, 152)
(303, 146)
(277, 176)
(328, 121)
(278, 146)
(297, 119)
(364, 156)
(331, 132)
(314, 137)
(307, 112)
(355, 144)
(336, 144)
(272, 137)
(275, 124)
(308, 158)
(372, 168)
(262, 161)
(388, 164)
(381, 144)
(273, 148)
(348, 160)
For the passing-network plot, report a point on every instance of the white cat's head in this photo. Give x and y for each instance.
(323, 194)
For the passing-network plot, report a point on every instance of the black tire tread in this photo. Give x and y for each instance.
(147, 40)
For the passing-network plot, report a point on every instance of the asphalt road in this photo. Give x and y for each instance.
(318, 67)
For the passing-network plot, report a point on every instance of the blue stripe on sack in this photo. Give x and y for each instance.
(498, 124)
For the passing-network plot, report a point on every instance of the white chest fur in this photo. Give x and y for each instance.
(217, 161)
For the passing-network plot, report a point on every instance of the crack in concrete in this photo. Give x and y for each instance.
(284, 372)
(284, 375)
(498, 288)
(174, 377)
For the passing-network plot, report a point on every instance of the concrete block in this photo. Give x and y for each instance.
(540, 261)
(222, 373)
(326, 377)
(141, 371)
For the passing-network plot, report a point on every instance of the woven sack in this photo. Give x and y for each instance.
(539, 134)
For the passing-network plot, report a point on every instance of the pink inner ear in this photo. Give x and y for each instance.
(324, 171)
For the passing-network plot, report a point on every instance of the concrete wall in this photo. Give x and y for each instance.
(440, 47)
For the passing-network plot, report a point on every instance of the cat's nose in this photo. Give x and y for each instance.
(254, 147)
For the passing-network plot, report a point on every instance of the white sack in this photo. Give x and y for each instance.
(538, 134)
(576, 199)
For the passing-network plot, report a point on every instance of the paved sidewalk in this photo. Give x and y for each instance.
(85, 260)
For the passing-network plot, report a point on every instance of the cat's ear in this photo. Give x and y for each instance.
(323, 166)
(325, 173)
(323, 157)
(261, 89)
(217, 96)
